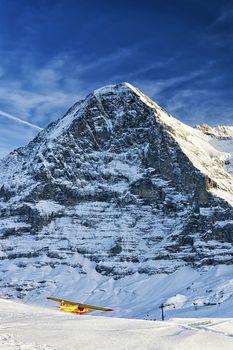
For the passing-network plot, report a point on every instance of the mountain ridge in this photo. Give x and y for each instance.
(117, 181)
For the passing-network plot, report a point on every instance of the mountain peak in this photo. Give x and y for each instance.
(116, 186)
(112, 88)
(126, 87)
(104, 120)
(123, 86)
(119, 93)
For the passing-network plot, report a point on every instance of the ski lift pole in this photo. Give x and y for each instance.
(162, 313)
(162, 306)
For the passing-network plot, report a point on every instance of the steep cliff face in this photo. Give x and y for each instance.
(117, 181)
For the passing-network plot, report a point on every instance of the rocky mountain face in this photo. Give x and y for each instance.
(120, 183)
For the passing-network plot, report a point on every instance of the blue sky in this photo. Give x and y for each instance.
(53, 52)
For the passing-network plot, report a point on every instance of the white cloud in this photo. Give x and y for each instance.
(156, 87)
(38, 96)
(193, 103)
(92, 63)
(41, 95)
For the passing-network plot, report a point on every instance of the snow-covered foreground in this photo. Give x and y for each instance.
(25, 327)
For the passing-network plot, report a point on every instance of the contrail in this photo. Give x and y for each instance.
(10, 116)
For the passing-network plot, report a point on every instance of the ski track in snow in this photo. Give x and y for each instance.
(9, 342)
(201, 328)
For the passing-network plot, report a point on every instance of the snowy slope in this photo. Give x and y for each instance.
(191, 293)
(208, 154)
(221, 138)
(29, 328)
(115, 196)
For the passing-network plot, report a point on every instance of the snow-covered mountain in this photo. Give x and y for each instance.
(116, 189)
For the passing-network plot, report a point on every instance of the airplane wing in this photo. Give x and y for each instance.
(68, 302)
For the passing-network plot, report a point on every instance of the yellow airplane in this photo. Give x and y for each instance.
(77, 308)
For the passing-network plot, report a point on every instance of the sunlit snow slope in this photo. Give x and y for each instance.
(209, 149)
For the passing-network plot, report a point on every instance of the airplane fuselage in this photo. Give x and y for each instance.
(76, 309)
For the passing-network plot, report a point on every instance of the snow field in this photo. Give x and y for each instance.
(26, 327)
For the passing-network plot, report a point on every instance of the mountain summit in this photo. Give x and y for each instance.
(115, 187)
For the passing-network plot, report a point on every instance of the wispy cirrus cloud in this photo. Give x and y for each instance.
(42, 94)
(39, 95)
(194, 98)
(226, 15)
